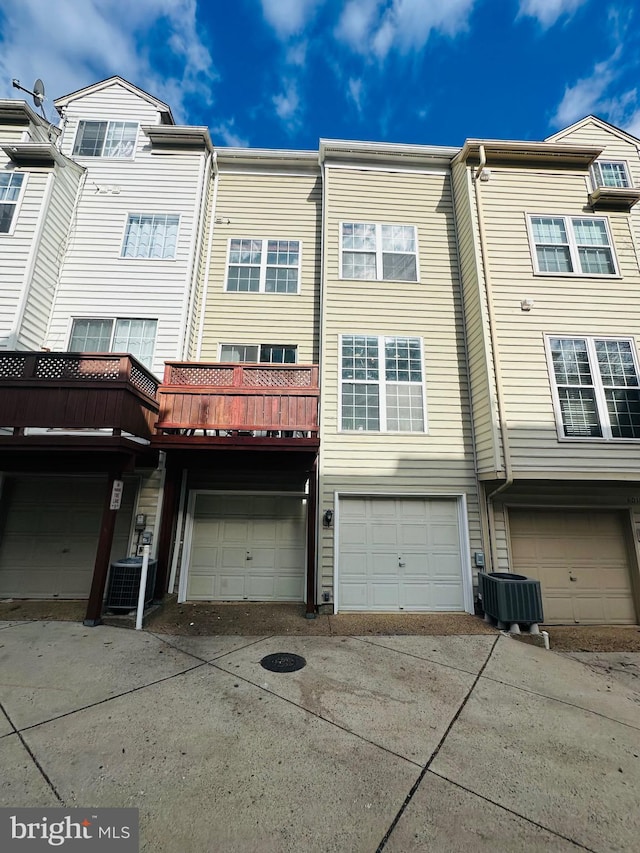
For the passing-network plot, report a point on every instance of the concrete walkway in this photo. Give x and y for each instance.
(394, 743)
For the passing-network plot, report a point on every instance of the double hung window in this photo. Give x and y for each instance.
(596, 387)
(115, 139)
(382, 388)
(572, 245)
(151, 235)
(374, 252)
(10, 186)
(263, 266)
(135, 336)
(254, 353)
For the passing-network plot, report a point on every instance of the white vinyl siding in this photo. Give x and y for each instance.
(572, 245)
(10, 189)
(151, 235)
(596, 387)
(112, 139)
(382, 387)
(136, 337)
(376, 252)
(263, 266)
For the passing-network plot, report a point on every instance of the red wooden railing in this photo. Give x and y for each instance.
(239, 398)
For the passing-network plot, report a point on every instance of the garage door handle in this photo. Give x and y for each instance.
(249, 557)
(574, 580)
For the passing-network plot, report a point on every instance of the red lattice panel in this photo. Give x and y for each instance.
(100, 369)
(260, 377)
(143, 382)
(201, 376)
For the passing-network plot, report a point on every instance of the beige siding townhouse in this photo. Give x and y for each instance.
(551, 282)
(398, 499)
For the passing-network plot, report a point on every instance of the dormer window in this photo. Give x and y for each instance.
(610, 173)
(114, 139)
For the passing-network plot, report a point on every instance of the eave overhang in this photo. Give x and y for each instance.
(535, 153)
(385, 153)
(178, 136)
(36, 154)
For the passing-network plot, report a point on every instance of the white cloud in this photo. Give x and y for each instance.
(587, 95)
(71, 45)
(287, 105)
(289, 17)
(356, 93)
(547, 12)
(226, 133)
(370, 26)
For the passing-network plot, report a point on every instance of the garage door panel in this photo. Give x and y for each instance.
(50, 535)
(247, 548)
(401, 560)
(581, 561)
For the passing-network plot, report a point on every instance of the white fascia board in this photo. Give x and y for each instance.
(357, 151)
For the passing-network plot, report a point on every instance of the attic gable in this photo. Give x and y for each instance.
(164, 109)
(599, 123)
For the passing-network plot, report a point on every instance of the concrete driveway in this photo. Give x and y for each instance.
(396, 743)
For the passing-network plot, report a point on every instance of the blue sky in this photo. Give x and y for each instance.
(283, 73)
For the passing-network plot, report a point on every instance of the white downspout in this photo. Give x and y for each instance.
(207, 267)
(508, 473)
(189, 300)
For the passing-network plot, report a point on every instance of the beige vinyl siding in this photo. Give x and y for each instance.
(12, 133)
(97, 281)
(50, 253)
(478, 340)
(615, 146)
(149, 493)
(441, 461)
(563, 306)
(277, 206)
(200, 272)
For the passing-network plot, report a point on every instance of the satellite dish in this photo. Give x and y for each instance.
(38, 93)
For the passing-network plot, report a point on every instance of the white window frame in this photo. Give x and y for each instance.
(598, 386)
(382, 384)
(263, 266)
(379, 253)
(259, 348)
(596, 172)
(114, 321)
(102, 155)
(17, 204)
(145, 258)
(573, 245)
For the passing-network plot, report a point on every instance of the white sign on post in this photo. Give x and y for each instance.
(116, 494)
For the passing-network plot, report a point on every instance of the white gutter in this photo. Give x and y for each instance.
(508, 473)
(207, 267)
(189, 300)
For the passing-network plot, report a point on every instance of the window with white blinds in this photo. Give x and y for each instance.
(596, 387)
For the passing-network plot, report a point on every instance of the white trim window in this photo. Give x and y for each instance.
(10, 187)
(259, 353)
(124, 334)
(382, 388)
(112, 139)
(610, 173)
(151, 235)
(572, 245)
(263, 266)
(375, 252)
(596, 388)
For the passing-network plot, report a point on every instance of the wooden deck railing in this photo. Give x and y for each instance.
(225, 398)
(68, 390)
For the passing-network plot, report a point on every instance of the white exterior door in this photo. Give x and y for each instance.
(581, 561)
(247, 548)
(50, 533)
(399, 554)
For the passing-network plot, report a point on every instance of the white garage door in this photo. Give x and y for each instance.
(581, 561)
(399, 554)
(49, 535)
(247, 548)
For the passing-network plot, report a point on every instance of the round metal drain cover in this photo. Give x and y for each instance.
(283, 662)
